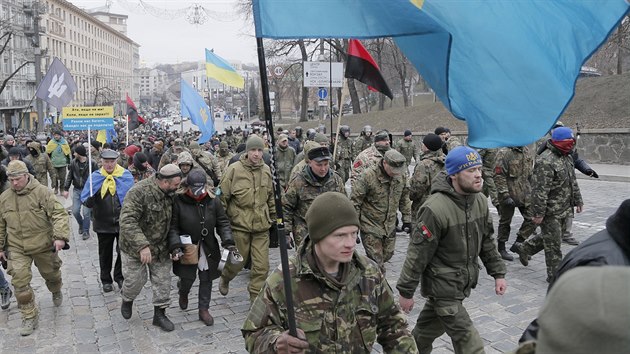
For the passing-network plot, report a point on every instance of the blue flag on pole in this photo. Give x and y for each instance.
(508, 68)
(193, 106)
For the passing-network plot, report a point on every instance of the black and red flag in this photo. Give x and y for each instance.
(362, 67)
(133, 118)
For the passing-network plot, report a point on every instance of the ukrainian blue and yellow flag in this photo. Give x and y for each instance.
(219, 69)
(106, 136)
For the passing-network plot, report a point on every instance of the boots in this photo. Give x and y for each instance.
(29, 325)
(57, 298)
(504, 254)
(126, 309)
(206, 317)
(224, 286)
(522, 255)
(183, 301)
(5, 295)
(160, 319)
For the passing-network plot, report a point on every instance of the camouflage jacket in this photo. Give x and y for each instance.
(408, 149)
(224, 161)
(123, 160)
(489, 157)
(297, 169)
(361, 143)
(345, 316)
(299, 196)
(554, 186)
(366, 159)
(284, 161)
(247, 196)
(232, 141)
(512, 172)
(209, 164)
(431, 163)
(344, 149)
(31, 219)
(139, 175)
(451, 232)
(42, 166)
(145, 219)
(377, 197)
(452, 143)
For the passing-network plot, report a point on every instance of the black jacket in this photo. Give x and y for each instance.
(105, 213)
(78, 174)
(607, 247)
(186, 220)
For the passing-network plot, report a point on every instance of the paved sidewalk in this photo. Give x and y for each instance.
(89, 321)
(606, 172)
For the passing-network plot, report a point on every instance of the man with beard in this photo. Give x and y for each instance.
(145, 219)
(453, 229)
(40, 162)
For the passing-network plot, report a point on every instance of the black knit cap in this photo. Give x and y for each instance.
(433, 142)
(329, 212)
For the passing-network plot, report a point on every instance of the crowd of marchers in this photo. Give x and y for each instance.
(164, 203)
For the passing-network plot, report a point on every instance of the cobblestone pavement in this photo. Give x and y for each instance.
(89, 321)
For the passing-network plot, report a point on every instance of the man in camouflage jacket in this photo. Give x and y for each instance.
(371, 155)
(41, 163)
(315, 179)
(513, 169)
(377, 195)
(430, 164)
(407, 147)
(555, 194)
(452, 231)
(285, 156)
(343, 157)
(342, 301)
(144, 223)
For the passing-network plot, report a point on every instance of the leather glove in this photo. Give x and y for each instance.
(509, 202)
(406, 226)
(591, 172)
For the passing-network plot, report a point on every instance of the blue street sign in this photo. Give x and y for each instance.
(227, 118)
(322, 93)
(47, 121)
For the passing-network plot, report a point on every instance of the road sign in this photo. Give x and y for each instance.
(227, 118)
(317, 74)
(47, 121)
(278, 71)
(322, 93)
(84, 118)
(322, 103)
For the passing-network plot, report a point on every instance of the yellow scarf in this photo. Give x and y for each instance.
(109, 185)
(52, 146)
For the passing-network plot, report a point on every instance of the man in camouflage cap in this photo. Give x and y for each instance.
(314, 179)
(343, 302)
(32, 223)
(369, 157)
(452, 230)
(144, 223)
(377, 195)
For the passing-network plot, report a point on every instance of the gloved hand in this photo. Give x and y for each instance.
(177, 254)
(406, 226)
(509, 202)
(591, 172)
(232, 248)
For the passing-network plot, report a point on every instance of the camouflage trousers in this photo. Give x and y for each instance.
(379, 248)
(549, 239)
(450, 316)
(490, 190)
(256, 246)
(59, 178)
(19, 268)
(505, 219)
(135, 274)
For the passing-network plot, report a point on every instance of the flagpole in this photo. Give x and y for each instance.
(127, 130)
(22, 115)
(284, 258)
(89, 159)
(345, 84)
(330, 91)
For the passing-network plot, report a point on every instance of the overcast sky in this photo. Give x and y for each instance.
(166, 39)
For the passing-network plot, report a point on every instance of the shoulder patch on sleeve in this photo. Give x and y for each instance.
(498, 170)
(425, 232)
(357, 164)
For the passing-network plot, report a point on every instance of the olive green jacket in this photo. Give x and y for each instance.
(451, 232)
(31, 219)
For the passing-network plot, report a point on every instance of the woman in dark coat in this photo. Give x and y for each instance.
(198, 213)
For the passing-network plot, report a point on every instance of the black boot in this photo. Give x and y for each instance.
(504, 254)
(126, 309)
(160, 319)
(183, 301)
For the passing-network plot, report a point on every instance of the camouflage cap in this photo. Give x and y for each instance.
(194, 146)
(381, 135)
(308, 146)
(223, 145)
(282, 137)
(396, 161)
(321, 138)
(16, 168)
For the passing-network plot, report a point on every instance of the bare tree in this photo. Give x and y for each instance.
(612, 56)
(5, 40)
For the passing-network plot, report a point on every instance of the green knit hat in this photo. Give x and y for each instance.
(329, 211)
(254, 142)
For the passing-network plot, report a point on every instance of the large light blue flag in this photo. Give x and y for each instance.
(508, 68)
(192, 105)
